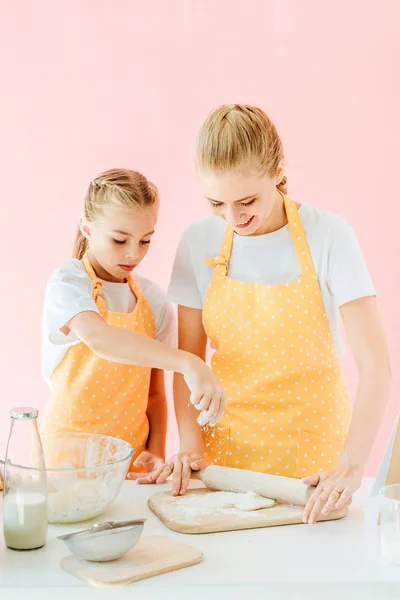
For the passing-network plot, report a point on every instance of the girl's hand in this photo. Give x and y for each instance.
(181, 467)
(207, 394)
(152, 464)
(333, 491)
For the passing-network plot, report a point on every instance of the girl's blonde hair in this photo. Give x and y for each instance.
(236, 137)
(116, 187)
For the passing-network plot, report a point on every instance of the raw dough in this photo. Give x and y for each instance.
(252, 501)
(215, 500)
(72, 498)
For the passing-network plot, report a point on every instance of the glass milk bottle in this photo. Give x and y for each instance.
(25, 485)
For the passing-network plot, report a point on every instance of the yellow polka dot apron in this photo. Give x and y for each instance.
(92, 395)
(288, 410)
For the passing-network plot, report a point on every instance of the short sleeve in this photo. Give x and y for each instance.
(166, 332)
(163, 311)
(348, 275)
(183, 288)
(68, 293)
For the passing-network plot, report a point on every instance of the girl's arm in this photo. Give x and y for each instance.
(128, 347)
(368, 344)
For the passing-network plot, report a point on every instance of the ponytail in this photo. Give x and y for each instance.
(80, 245)
(282, 186)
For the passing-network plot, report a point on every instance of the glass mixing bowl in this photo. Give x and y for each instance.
(84, 471)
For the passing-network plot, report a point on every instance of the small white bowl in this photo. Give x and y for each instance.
(104, 541)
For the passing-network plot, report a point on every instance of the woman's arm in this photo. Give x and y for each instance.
(193, 339)
(157, 413)
(153, 458)
(369, 348)
(128, 347)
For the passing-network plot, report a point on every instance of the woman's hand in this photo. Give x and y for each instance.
(152, 464)
(333, 490)
(181, 467)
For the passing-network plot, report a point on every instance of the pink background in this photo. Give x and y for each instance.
(91, 85)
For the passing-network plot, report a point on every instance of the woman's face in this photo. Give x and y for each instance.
(244, 201)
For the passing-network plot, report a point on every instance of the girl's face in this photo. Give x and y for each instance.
(246, 202)
(119, 240)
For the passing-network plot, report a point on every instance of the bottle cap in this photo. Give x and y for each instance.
(24, 412)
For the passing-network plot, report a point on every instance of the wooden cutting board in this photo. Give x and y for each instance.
(151, 556)
(182, 517)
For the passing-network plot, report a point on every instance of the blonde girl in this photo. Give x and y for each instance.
(108, 336)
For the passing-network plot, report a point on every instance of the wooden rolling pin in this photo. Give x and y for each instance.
(282, 489)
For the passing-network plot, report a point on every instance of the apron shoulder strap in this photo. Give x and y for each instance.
(298, 236)
(97, 288)
(299, 239)
(222, 260)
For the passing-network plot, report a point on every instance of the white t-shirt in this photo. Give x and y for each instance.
(69, 292)
(271, 259)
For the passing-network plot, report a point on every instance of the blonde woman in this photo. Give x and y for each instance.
(108, 336)
(266, 281)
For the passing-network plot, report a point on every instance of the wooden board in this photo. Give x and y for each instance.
(151, 556)
(171, 510)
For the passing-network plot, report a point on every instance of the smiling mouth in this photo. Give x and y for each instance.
(245, 224)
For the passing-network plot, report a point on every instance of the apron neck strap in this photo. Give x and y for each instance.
(88, 267)
(297, 232)
(299, 238)
(97, 288)
(222, 260)
(135, 288)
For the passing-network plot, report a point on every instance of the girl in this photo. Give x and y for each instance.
(265, 280)
(107, 337)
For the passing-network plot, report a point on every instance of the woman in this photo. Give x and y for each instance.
(266, 281)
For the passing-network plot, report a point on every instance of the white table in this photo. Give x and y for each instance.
(337, 559)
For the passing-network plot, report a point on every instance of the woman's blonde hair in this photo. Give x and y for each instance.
(236, 137)
(116, 187)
